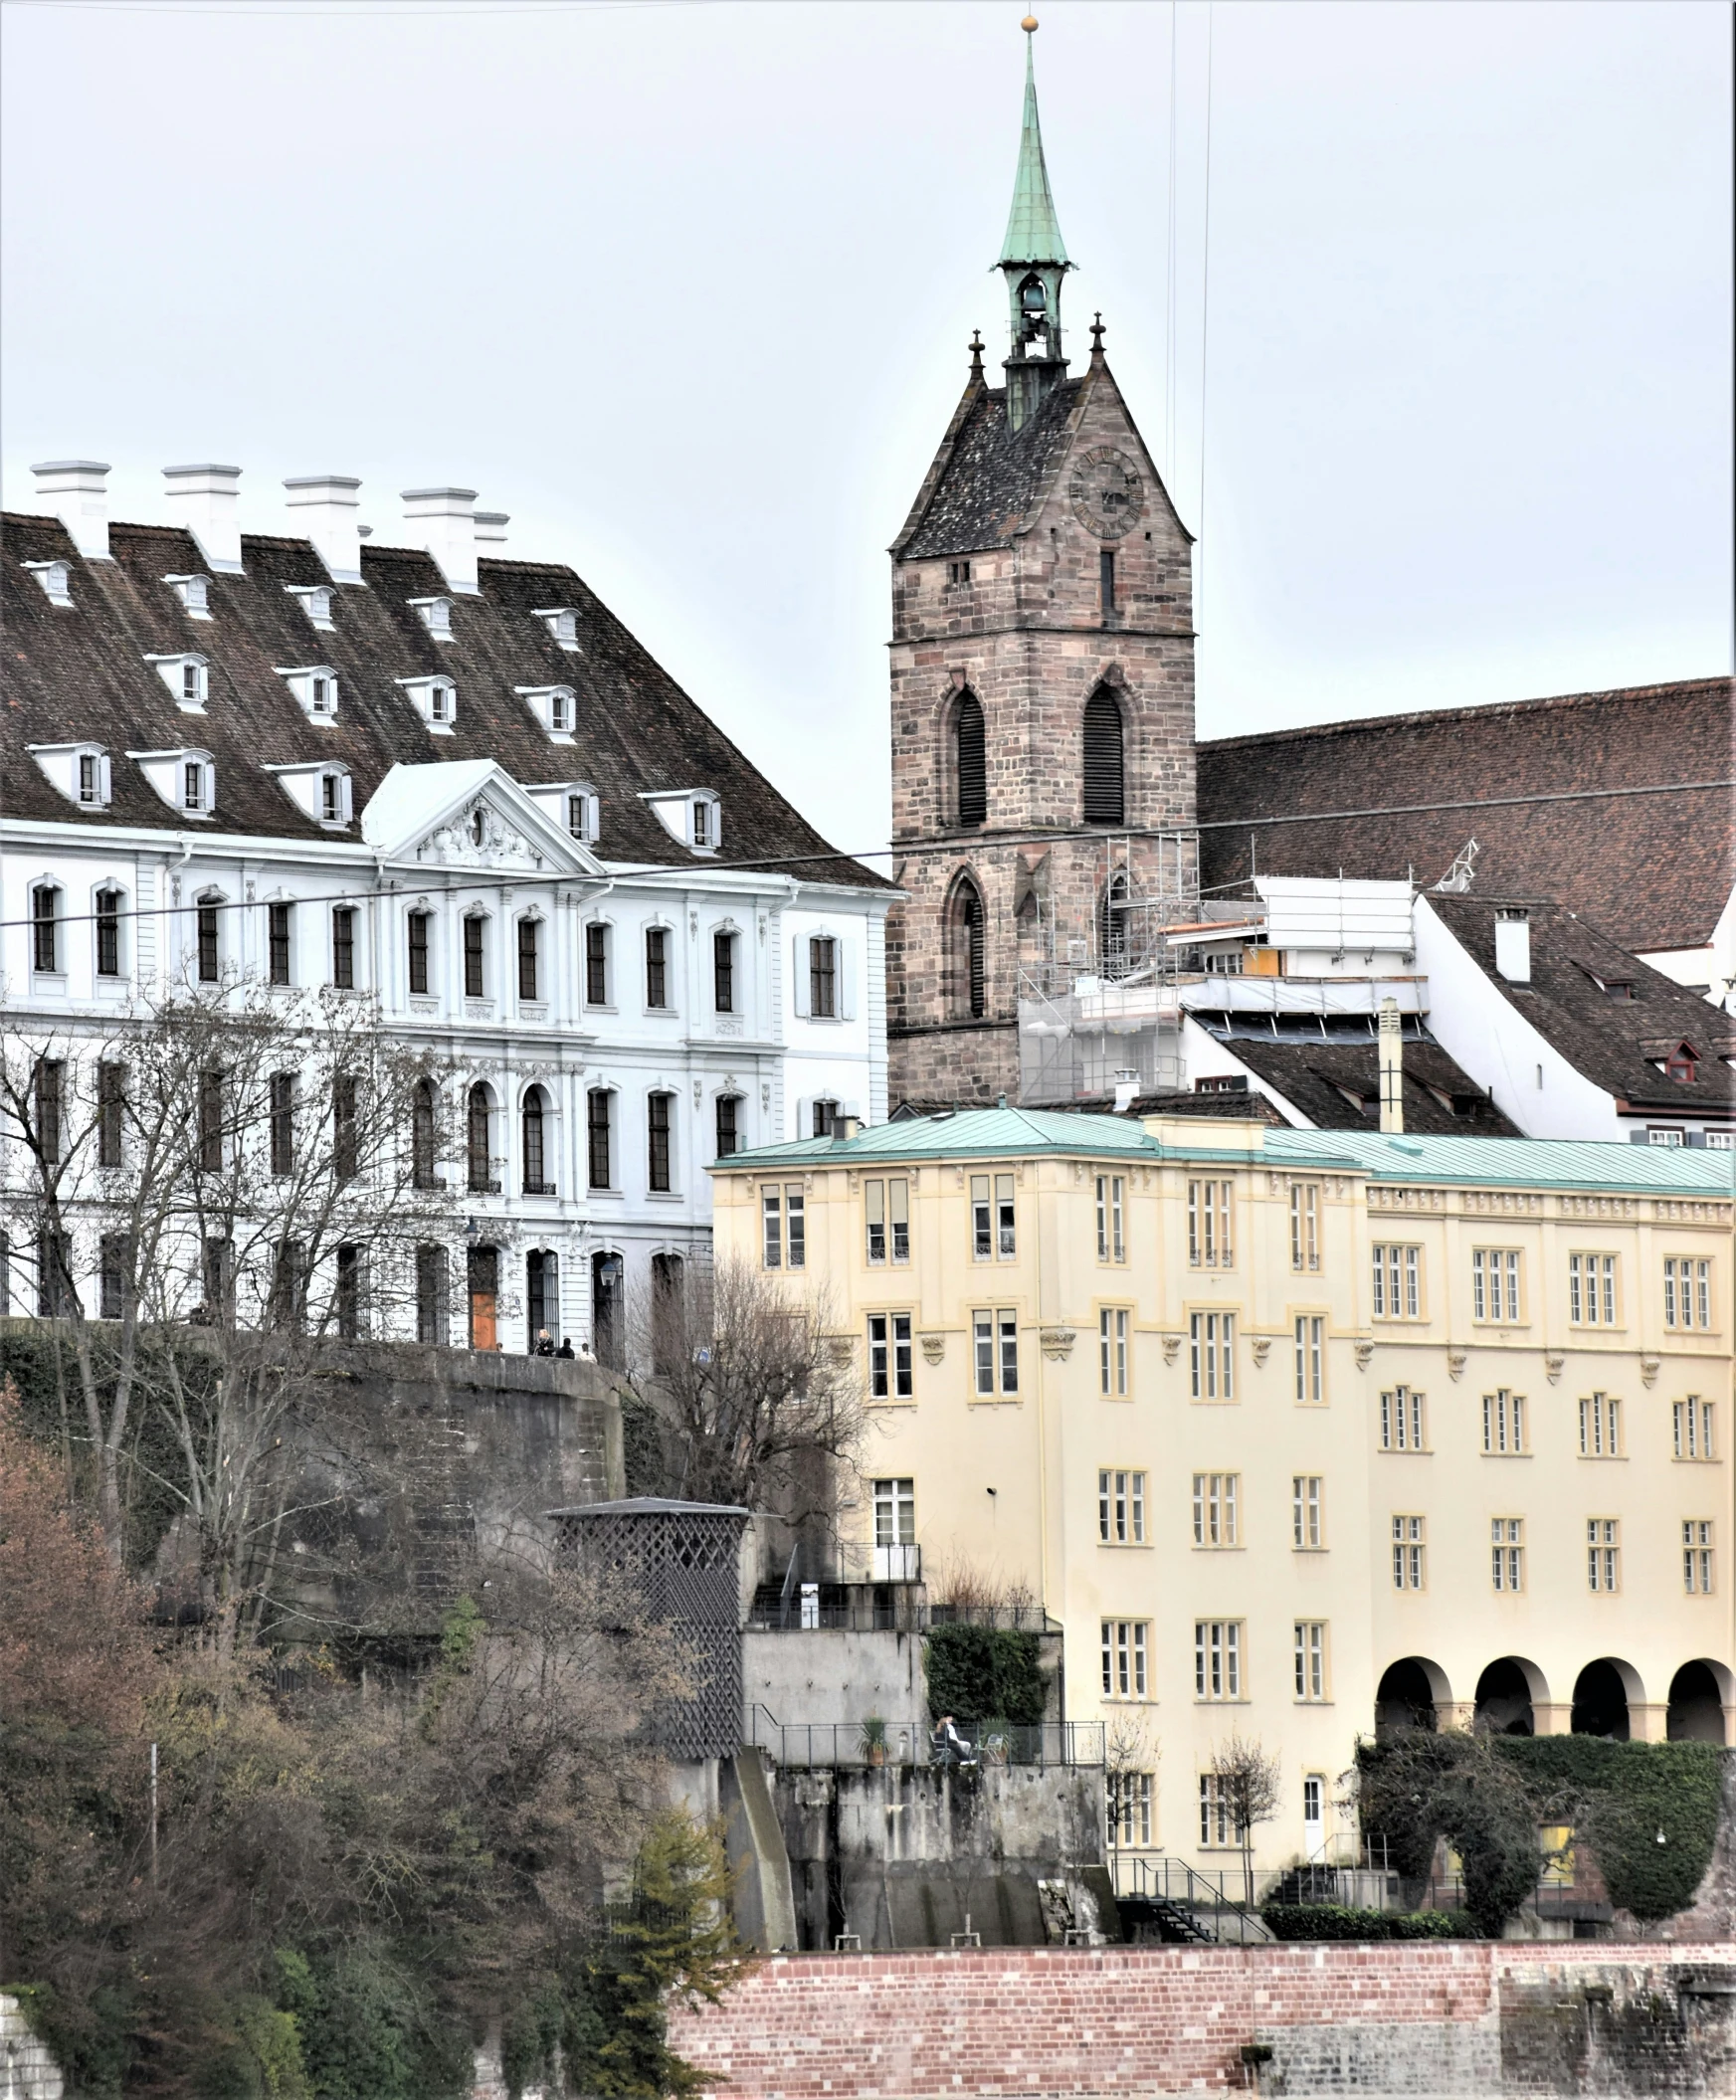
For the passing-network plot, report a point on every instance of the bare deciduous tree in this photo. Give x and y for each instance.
(1249, 1789)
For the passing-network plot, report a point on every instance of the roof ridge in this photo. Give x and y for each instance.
(1481, 710)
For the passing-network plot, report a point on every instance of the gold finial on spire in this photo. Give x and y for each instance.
(1029, 24)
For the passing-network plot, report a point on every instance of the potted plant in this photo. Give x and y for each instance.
(874, 1740)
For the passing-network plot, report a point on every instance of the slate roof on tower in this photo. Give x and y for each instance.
(80, 673)
(988, 478)
(1653, 870)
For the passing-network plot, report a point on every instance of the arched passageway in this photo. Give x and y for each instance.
(1409, 1694)
(1697, 1699)
(1600, 1702)
(1505, 1699)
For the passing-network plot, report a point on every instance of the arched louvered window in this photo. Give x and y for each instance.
(476, 1140)
(1105, 795)
(973, 763)
(969, 950)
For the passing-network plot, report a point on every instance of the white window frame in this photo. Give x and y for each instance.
(994, 1351)
(1404, 1419)
(1111, 1218)
(1112, 1351)
(1121, 1506)
(1398, 1284)
(1311, 1346)
(1218, 1659)
(1217, 1501)
(891, 1356)
(1211, 1357)
(1506, 1430)
(1310, 1640)
(1308, 1513)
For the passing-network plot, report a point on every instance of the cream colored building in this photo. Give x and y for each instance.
(1286, 1426)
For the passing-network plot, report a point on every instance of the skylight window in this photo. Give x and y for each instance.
(194, 592)
(55, 578)
(314, 599)
(434, 615)
(562, 623)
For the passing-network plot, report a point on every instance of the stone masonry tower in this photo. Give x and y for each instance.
(1043, 691)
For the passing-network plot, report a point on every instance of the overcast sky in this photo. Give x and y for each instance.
(686, 288)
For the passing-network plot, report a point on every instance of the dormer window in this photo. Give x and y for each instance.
(436, 701)
(185, 779)
(194, 594)
(553, 708)
(319, 792)
(187, 678)
(695, 818)
(573, 805)
(79, 771)
(1681, 1064)
(314, 599)
(55, 578)
(563, 625)
(315, 686)
(434, 615)
(701, 827)
(582, 818)
(331, 797)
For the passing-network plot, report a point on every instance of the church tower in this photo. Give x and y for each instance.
(1043, 695)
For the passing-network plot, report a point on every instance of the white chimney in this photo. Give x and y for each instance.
(1513, 946)
(204, 502)
(1391, 1056)
(491, 533)
(76, 491)
(443, 522)
(326, 507)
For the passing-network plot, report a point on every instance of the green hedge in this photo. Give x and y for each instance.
(985, 1674)
(1339, 1921)
(1618, 1797)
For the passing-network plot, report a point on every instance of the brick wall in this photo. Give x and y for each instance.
(1463, 2018)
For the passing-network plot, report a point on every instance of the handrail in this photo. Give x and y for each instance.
(910, 1742)
(1165, 1880)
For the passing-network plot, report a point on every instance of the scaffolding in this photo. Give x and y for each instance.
(1100, 1011)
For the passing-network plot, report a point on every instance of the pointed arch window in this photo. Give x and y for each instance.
(971, 755)
(1104, 773)
(1115, 928)
(970, 930)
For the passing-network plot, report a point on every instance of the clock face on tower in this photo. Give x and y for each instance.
(1106, 492)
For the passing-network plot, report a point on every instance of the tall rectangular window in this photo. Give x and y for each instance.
(1112, 1351)
(1307, 1512)
(205, 919)
(529, 936)
(1218, 1829)
(1304, 1225)
(49, 1087)
(283, 1118)
(1125, 1644)
(658, 1142)
(723, 973)
(1504, 1426)
(1687, 1292)
(1604, 1555)
(598, 1103)
(211, 1122)
(347, 1298)
(476, 983)
(1398, 1273)
(1310, 1653)
(416, 928)
(1121, 1507)
(1696, 1556)
(1106, 580)
(895, 1513)
(1112, 1204)
(45, 927)
(771, 1203)
(1128, 1795)
(782, 1208)
(279, 918)
(1591, 1291)
(1693, 1419)
(345, 1127)
(1212, 1355)
(1209, 1238)
(1507, 1553)
(994, 1224)
(982, 1220)
(109, 903)
(110, 1115)
(1494, 1285)
(596, 964)
(1005, 1228)
(1599, 1426)
(1310, 1359)
(995, 1352)
(1217, 1659)
(823, 977)
(891, 1365)
(656, 968)
(1410, 1548)
(1216, 1500)
(728, 1128)
(113, 1272)
(343, 947)
(1404, 1421)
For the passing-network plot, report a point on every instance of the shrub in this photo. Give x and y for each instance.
(985, 1674)
(1339, 1921)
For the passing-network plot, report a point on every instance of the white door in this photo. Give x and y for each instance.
(1313, 1818)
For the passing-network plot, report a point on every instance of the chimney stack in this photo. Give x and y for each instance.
(1513, 946)
(203, 501)
(77, 493)
(443, 522)
(324, 507)
(491, 533)
(1392, 1054)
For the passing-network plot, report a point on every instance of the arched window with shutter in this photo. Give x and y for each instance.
(971, 757)
(968, 944)
(1105, 791)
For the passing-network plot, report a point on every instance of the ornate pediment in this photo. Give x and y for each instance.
(479, 837)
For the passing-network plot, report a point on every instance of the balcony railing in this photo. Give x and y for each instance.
(1186, 1902)
(831, 1746)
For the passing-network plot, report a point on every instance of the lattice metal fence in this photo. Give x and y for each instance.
(684, 1561)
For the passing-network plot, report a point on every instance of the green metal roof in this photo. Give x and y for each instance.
(1032, 231)
(1004, 1133)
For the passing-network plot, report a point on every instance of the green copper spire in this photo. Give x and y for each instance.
(1032, 231)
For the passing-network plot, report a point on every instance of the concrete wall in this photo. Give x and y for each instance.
(1467, 2018)
(27, 2070)
(831, 1675)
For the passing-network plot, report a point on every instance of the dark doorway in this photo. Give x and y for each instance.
(483, 1275)
(1697, 1706)
(1503, 1700)
(608, 1295)
(1405, 1699)
(1600, 1702)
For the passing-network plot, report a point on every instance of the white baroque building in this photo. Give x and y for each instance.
(458, 784)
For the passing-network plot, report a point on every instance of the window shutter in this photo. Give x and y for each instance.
(972, 757)
(1105, 799)
(805, 1116)
(800, 990)
(845, 980)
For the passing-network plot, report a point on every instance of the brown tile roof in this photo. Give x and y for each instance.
(78, 674)
(1577, 1003)
(1326, 1081)
(1654, 870)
